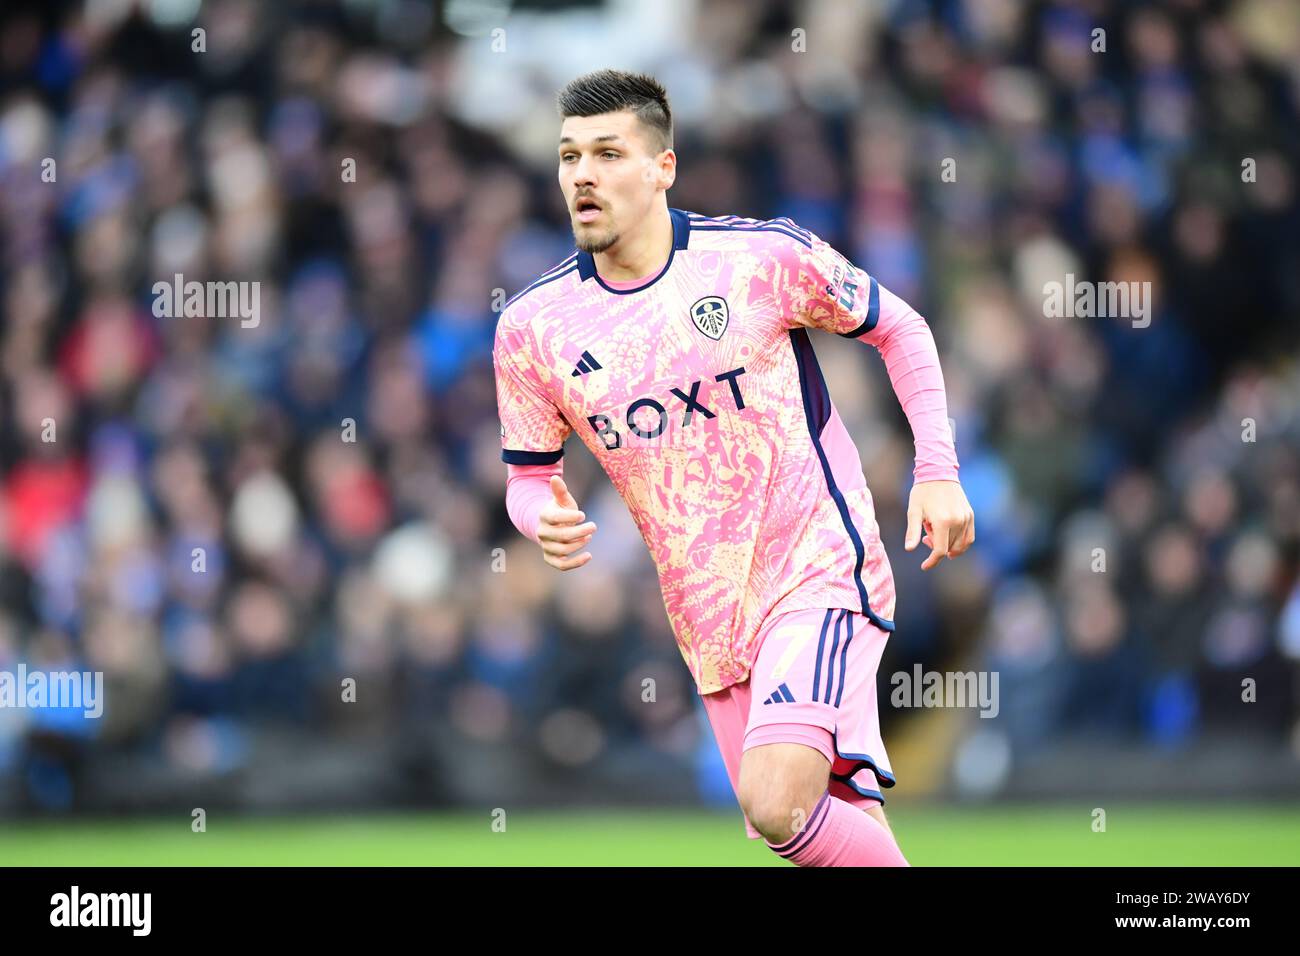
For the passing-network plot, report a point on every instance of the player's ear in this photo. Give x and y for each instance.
(666, 163)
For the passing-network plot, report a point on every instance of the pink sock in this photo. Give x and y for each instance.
(840, 834)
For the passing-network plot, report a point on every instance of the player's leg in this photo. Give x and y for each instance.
(783, 791)
(728, 712)
(813, 713)
(869, 805)
(879, 813)
(780, 784)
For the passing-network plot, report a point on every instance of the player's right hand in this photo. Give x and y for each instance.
(561, 530)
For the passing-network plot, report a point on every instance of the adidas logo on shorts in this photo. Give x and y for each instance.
(781, 695)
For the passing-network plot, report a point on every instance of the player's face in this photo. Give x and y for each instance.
(610, 176)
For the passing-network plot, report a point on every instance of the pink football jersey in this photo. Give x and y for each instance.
(699, 393)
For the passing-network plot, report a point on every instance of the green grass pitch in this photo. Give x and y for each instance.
(1141, 834)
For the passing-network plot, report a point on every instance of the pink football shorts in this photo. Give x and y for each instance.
(814, 683)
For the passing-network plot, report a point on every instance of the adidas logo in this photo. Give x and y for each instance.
(781, 695)
(588, 364)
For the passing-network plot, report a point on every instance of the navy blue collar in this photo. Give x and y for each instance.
(681, 237)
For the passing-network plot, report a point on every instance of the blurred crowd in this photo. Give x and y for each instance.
(299, 526)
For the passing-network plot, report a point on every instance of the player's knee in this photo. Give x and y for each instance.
(777, 812)
(779, 786)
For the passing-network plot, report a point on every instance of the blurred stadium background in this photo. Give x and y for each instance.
(485, 679)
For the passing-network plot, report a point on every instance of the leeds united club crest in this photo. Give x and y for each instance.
(710, 316)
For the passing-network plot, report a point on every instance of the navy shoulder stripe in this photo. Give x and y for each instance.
(787, 221)
(724, 227)
(559, 272)
(781, 221)
(566, 261)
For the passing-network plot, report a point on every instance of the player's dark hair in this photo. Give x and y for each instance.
(609, 91)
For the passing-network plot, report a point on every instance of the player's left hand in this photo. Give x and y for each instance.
(942, 509)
